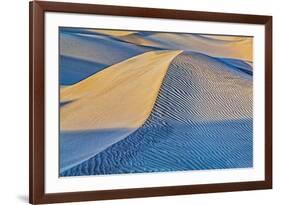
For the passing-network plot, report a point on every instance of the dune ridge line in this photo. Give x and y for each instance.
(120, 97)
(134, 82)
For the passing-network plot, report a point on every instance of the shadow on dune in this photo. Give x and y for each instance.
(73, 70)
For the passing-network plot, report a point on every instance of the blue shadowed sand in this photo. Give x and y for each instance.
(73, 70)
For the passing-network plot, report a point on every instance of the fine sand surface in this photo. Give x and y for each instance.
(108, 106)
(202, 119)
(216, 46)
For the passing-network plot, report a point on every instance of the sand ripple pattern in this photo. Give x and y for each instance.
(202, 119)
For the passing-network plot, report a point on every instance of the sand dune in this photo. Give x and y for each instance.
(202, 119)
(134, 83)
(135, 102)
(217, 46)
(91, 119)
(83, 52)
(96, 48)
(90, 50)
(213, 90)
(132, 37)
(238, 47)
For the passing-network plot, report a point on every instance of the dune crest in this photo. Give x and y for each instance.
(133, 83)
(108, 106)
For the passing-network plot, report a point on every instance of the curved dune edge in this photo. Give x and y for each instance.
(120, 96)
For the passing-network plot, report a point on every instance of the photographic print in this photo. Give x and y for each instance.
(148, 101)
(128, 102)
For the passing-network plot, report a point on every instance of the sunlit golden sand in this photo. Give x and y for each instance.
(121, 96)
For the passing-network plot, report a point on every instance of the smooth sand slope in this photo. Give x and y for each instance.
(91, 119)
(202, 119)
(216, 46)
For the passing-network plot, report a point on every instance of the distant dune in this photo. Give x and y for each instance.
(110, 105)
(202, 119)
(90, 52)
(83, 52)
(217, 46)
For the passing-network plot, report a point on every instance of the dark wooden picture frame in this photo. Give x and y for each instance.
(37, 99)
